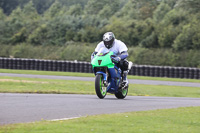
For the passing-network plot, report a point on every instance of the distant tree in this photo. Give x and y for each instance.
(170, 3)
(2, 15)
(171, 26)
(42, 5)
(150, 41)
(189, 37)
(56, 31)
(93, 20)
(54, 10)
(75, 10)
(146, 8)
(8, 5)
(138, 9)
(109, 9)
(3, 27)
(140, 31)
(168, 34)
(90, 34)
(19, 24)
(105, 8)
(128, 11)
(12, 25)
(132, 32)
(73, 2)
(160, 12)
(192, 5)
(30, 11)
(39, 36)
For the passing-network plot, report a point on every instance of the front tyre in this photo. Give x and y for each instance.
(121, 94)
(99, 86)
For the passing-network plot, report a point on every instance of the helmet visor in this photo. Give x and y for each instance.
(109, 44)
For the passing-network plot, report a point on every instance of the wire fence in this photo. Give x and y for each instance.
(85, 67)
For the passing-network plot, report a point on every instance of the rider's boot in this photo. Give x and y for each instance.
(125, 80)
(125, 73)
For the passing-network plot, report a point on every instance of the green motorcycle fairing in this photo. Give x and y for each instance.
(103, 60)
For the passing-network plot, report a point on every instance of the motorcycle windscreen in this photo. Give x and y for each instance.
(103, 51)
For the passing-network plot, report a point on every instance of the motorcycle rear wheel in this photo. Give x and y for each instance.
(99, 86)
(121, 94)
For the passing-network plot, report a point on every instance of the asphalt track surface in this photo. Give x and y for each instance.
(132, 81)
(20, 108)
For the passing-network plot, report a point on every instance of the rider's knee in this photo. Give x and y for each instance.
(125, 65)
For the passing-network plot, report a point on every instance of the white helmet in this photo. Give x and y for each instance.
(108, 39)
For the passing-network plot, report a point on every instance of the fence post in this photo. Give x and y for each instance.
(181, 72)
(10, 63)
(198, 73)
(67, 66)
(137, 72)
(54, 65)
(1, 62)
(79, 66)
(63, 66)
(89, 67)
(191, 73)
(161, 73)
(186, 72)
(132, 71)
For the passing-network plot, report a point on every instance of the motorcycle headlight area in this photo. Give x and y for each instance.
(102, 69)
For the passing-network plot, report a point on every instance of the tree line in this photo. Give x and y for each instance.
(170, 24)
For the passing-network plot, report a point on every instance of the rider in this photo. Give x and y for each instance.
(119, 49)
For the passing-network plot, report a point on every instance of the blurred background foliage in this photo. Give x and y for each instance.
(157, 32)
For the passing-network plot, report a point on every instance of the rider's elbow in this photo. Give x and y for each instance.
(124, 55)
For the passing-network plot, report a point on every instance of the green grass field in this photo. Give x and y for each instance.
(180, 120)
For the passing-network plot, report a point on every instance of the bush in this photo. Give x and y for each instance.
(80, 52)
(5, 50)
(164, 57)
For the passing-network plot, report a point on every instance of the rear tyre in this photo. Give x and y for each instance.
(121, 94)
(99, 86)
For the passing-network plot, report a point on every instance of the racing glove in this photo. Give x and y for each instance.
(116, 59)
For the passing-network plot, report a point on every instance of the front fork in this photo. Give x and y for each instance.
(105, 82)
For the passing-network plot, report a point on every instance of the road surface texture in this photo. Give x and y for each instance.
(20, 108)
(132, 81)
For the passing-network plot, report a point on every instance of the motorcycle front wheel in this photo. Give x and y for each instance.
(99, 86)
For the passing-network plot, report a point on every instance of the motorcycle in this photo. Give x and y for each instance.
(108, 76)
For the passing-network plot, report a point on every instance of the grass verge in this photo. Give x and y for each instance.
(34, 85)
(92, 75)
(180, 120)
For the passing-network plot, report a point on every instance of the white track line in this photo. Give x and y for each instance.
(64, 119)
